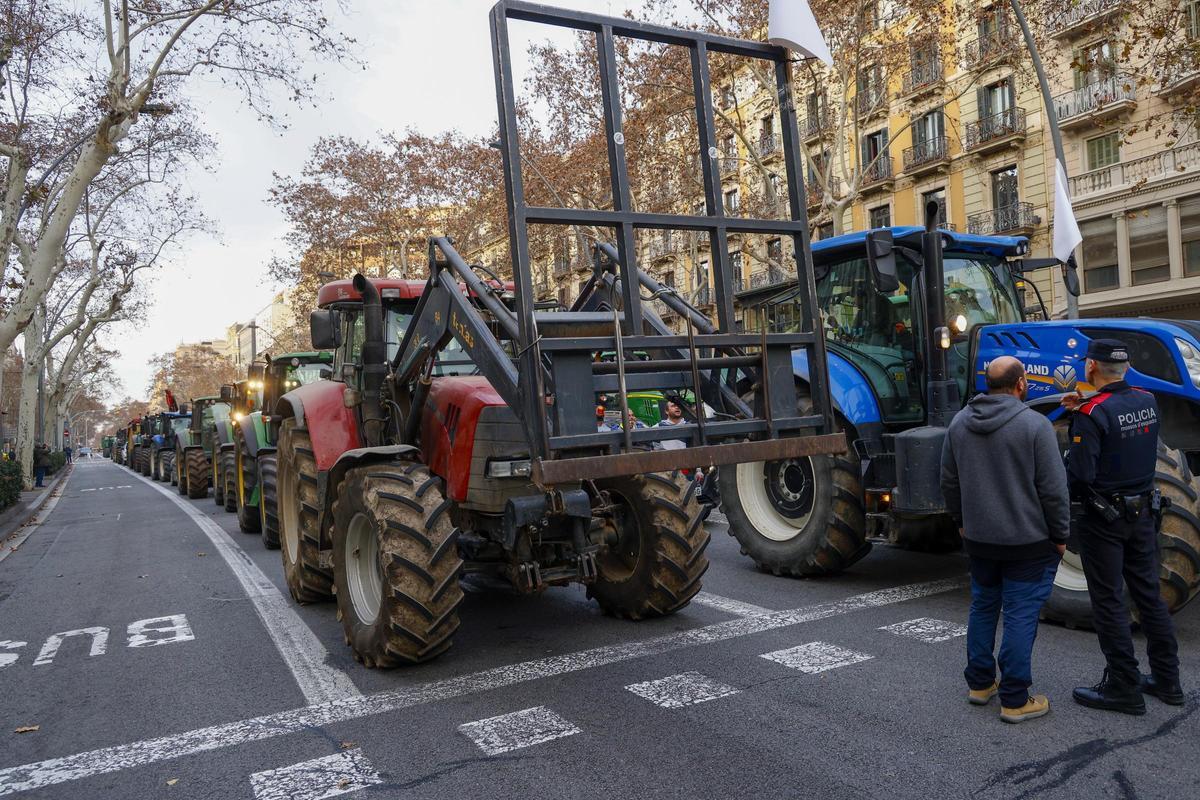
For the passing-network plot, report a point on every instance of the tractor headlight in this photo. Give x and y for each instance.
(1191, 359)
(942, 336)
(519, 468)
(237, 416)
(959, 323)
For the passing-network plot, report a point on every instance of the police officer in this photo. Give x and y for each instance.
(1110, 467)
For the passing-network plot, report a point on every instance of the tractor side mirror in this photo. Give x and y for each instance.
(1070, 275)
(881, 257)
(325, 374)
(226, 394)
(324, 328)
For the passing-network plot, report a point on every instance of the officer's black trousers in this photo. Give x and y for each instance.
(1125, 555)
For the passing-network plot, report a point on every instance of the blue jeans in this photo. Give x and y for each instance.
(39, 474)
(1019, 589)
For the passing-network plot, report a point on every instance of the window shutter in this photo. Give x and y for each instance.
(985, 106)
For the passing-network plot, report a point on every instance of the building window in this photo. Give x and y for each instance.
(869, 16)
(727, 96)
(1093, 64)
(735, 266)
(773, 188)
(1148, 259)
(1189, 222)
(1192, 20)
(996, 98)
(775, 251)
(1099, 255)
(669, 278)
(928, 128)
(933, 196)
(564, 296)
(880, 217)
(731, 201)
(1104, 151)
(873, 145)
(700, 278)
(825, 231)
(1004, 188)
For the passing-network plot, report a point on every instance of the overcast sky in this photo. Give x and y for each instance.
(429, 66)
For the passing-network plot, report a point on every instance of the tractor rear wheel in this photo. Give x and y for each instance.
(180, 479)
(268, 512)
(196, 467)
(218, 477)
(168, 467)
(299, 537)
(147, 456)
(228, 473)
(395, 564)
(1179, 544)
(654, 555)
(246, 472)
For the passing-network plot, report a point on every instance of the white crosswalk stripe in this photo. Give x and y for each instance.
(316, 779)
(815, 657)
(517, 730)
(927, 629)
(685, 689)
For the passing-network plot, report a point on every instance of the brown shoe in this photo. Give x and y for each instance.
(1036, 706)
(981, 697)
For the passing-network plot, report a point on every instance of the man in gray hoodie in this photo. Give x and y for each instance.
(1014, 517)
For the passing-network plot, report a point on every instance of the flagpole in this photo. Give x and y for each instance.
(1055, 133)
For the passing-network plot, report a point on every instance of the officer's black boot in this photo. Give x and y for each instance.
(1170, 693)
(1111, 695)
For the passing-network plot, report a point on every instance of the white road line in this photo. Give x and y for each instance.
(729, 605)
(302, 651)
(927, 629)
(10, 545)
(685, 689)
(54, 771)
(316, 779)
(497, 735)
(816, 657)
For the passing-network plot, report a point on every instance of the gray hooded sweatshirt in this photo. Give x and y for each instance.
(1004, 480)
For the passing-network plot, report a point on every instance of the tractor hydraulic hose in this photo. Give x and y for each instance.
(374, 356)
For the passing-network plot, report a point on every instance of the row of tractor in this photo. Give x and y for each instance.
(453, 427)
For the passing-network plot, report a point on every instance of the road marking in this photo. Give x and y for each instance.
(302, 651)
(50, 648)
(167, 630)
(816, 657)
(316, 779)
(10, 658)
(53, 771)
(520, 729)
(685, 689)
(927, 629)
(17, 539)
(729, 605)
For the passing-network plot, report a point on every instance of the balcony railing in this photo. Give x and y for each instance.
(729, 164)
(562, 265)
(768, 144)
(817, 124)
(1080, 13)
(1009, 122)
(870, 100)
(1015, 217)
(814, 195)
(880, 170)
(923, 75)
(1132, 175)
(703, 296)
(991, 46)
(768, 277)
(662, 244)
(1095, 96)
(926, 152)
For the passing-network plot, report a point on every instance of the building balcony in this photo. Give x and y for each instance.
(663, 244)
(1133, 175)
(814, 195)
(925, 77)
(1078, 18)
(767, 277)
(927, 156)
(1179, 78)
(878, 176)
(562, 265)
(769, 145)
(729, 164)
(871, 102)
(817, 125)
(995, 46)
(1097, 101)
(1016, 218)
(703, 297)
(997, 131)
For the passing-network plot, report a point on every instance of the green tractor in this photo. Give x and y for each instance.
(255, 449)
(244, 398)
(138, 451)
(194, 449)
(106, 447)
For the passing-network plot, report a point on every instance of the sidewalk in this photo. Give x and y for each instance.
(13, 518)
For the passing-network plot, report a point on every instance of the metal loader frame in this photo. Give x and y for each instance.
(556, 349)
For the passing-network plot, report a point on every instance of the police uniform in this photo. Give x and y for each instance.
(1110, 467)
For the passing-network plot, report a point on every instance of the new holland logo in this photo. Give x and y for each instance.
(1064, 378)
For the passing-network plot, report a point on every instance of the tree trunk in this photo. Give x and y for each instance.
(28, 410)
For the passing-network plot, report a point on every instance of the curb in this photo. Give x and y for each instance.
(9, 536)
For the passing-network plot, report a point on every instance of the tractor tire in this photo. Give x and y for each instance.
(656, 546)
(147, 456)
(228, 473)
(299, 537)
(218, 477)
(155, 467)
(168, 467)
(245, 471)
(1179, 545)
(395, 564)
(134, 458)
(268, 513)
(180, 479)
(936, 534)
(800, 517)
(196, 466)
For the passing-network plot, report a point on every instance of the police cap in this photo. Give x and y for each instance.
(1110, 351)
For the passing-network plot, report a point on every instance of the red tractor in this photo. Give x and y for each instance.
(458, 433)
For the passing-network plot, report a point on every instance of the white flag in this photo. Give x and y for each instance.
(1066, 229)
(793, 25)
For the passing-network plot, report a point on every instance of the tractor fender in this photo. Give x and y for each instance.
(251, 426)
(363, 456)
(1048, 405)
(224, 433)
(318, 408)
(853, 398)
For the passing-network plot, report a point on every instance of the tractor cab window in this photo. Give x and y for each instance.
(304, 374)
(214, 412)
(452, 360)
(875, 331)
(979, 291)
(180, 424)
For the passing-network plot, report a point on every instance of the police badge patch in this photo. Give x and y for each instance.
(1064, 378)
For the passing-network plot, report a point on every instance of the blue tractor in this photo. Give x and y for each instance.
(911, 318)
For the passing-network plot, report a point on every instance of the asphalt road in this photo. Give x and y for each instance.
(157, 653)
